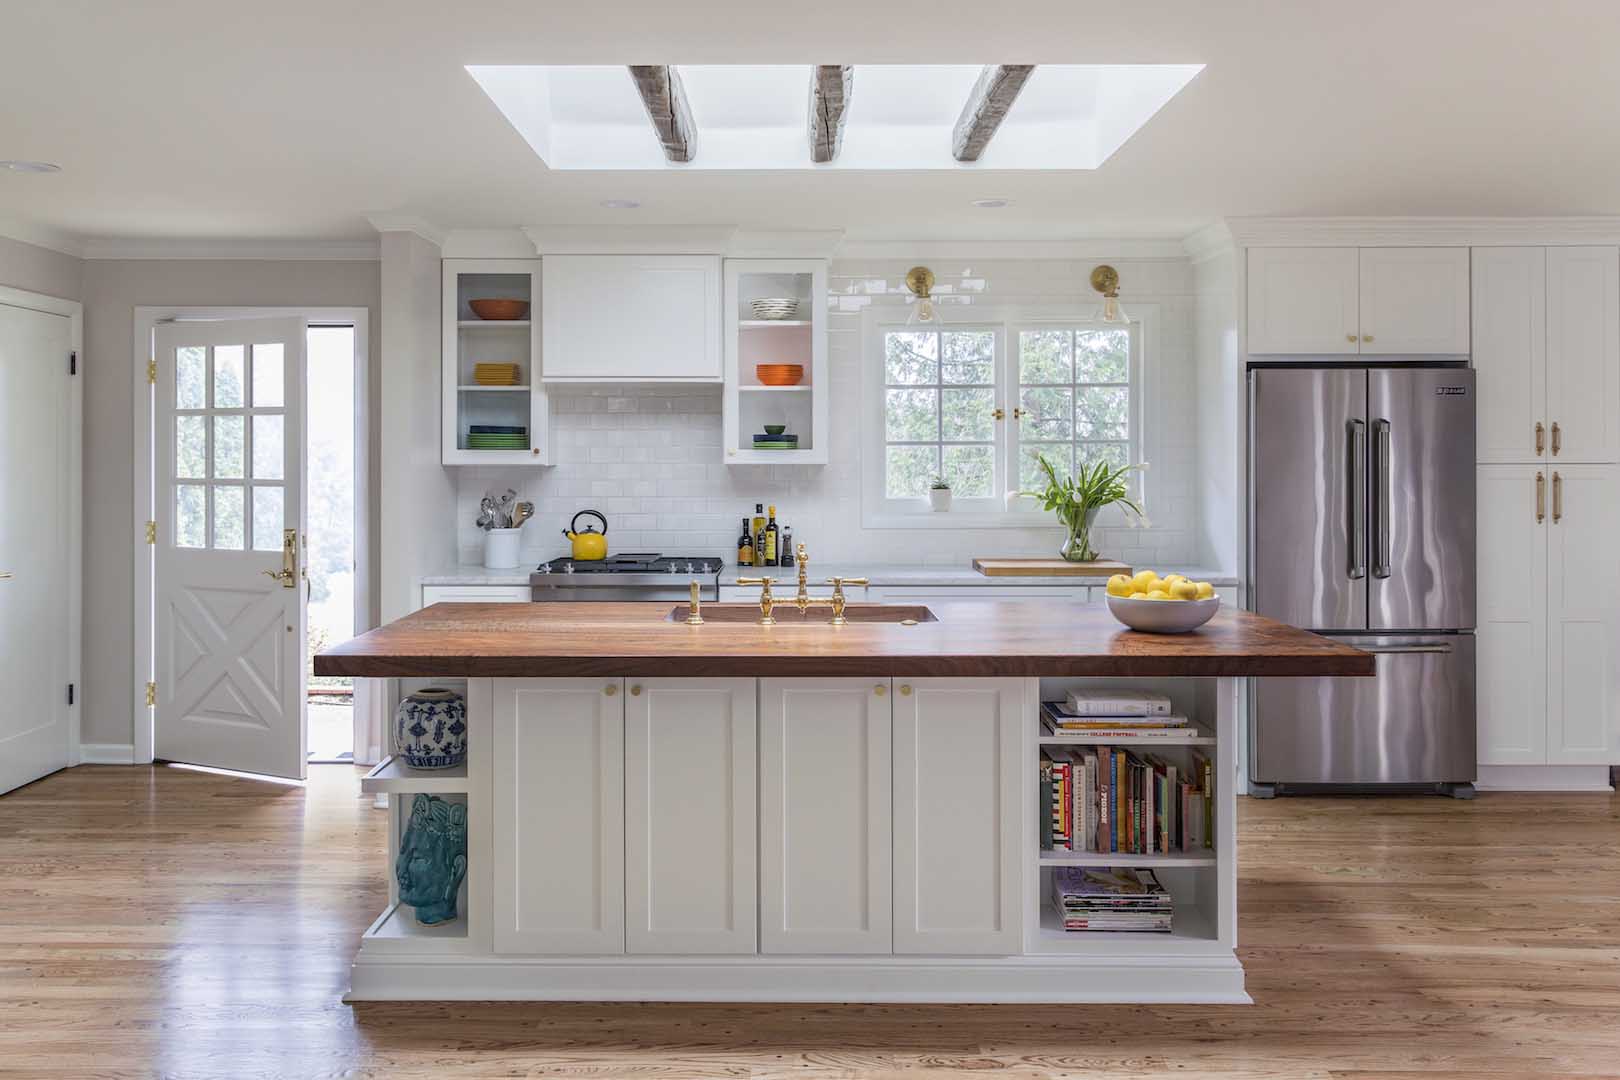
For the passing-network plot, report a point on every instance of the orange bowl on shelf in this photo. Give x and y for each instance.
(779, 374)
(499, 310)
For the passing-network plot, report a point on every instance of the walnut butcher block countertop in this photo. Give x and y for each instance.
(971, 638)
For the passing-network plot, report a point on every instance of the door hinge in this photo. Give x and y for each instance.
(151, 694)
(73, 363)
(151, 371)
(151, 532)
(70, 693)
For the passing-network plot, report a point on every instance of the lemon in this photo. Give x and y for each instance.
(1145, 580)
(1184, 590)
(1120, 585)
(1173, 578)
(1205, 590)
(1157, 594)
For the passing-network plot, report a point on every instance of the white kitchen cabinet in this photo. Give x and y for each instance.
(1510, 352)
(690, 815)
(749, 404)
(632, 318)
(1414, 300)
(928, 594)
(957, 815)
(1583, 354)
(825, 845)
(1349, 301)
(475, 594)
(1549, 615)
(1303, 300)
(559, 779)
(469, 341)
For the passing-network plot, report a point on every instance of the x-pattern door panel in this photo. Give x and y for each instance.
(229, 461)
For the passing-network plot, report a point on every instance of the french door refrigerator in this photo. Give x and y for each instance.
(1361, 527)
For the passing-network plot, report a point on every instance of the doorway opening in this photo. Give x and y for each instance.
(332, 516)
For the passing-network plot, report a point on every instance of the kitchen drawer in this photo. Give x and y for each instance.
(474, 594)
(922, 594)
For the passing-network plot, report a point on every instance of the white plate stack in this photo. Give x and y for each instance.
(774, 308)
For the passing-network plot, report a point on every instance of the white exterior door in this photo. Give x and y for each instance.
(824, 814)
(1583, 353)
(1302, 301)
(1583, 616)
(1510, 352)
(559, 796)
(689, 833)
(958, 809)
(1414, 301)
(38, 469)
(1511, 637)
(229, 466)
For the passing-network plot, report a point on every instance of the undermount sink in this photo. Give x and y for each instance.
(786, 613)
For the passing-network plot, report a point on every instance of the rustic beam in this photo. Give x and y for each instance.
(993, 94)
(661, 92)
(830, 87)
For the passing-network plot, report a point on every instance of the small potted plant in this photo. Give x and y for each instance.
(1077, 500)
(939, 494)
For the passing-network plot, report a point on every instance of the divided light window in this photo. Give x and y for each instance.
(1074, 399)
(939, 402)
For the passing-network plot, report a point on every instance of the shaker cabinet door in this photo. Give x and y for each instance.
(824, 789)
(1302, 301)
(1583, 353)
(1583, 616)
(957, 812)
(559, 796)
(1510, 352)
(1414, 301)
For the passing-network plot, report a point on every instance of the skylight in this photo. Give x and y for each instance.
(900, 116)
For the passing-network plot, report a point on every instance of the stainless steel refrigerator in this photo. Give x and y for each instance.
(1361, 527)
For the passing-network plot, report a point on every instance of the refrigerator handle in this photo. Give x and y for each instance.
(1358, 500)
(1403, 649)
(1380, 499)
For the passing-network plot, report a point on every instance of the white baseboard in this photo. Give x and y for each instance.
(106, 753)
(1543, 778)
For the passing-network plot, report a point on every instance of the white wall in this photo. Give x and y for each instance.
(40, 270)
(651, 459)
(112, 291)
(1220, 383)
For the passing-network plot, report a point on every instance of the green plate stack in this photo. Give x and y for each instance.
(478, 440)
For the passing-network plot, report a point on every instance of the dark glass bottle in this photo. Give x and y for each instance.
(787, 545)
(745, 546)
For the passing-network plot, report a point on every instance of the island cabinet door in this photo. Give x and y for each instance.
(824, 813)
(957, 815)
(690, 814)
(559, 816)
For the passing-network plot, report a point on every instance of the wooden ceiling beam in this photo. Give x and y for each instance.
(993, 94)
(830, 88)
(661, 92)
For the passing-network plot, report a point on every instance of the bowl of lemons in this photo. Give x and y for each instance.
(1167, 605)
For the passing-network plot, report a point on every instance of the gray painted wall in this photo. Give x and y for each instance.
(40, 270)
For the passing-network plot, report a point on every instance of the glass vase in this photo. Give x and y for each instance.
(1077, 548)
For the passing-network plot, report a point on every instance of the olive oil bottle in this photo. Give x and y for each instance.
(772, 534)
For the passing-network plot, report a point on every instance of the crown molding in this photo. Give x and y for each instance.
(1209, 242)
(785, 243)
(401, 222)
(630, 239)
(1422, 231)
(1012, 249)
(486, 244)
(256, 249)
(42, 236)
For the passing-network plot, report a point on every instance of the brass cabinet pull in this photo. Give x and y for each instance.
(610, 690)
(635, 691)
(1558, 443)
(879, 690)
(1367, 338)
(905, 689)
(1558, 498)
(1541, 498)
(1350, 338)
(1541, 439)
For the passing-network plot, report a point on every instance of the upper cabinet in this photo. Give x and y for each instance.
(1358, 301)
(776, 362)
(640, 318)
(495, 410)
(1547, 349)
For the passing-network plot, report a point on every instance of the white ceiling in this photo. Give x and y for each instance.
(220, 119)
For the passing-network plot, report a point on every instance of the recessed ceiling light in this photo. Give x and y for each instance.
(30, 166)
(620, 204)
(991, 204)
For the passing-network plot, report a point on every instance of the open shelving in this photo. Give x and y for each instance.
(393, 775)
(469, 340)
(748, 404)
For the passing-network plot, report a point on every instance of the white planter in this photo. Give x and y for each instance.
(939, 499)
(501, 548)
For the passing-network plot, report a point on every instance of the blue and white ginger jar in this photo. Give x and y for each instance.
(430, 729)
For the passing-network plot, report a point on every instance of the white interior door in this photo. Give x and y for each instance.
(37, 489)
(229, 464)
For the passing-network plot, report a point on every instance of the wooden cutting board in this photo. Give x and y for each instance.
(1102, 568)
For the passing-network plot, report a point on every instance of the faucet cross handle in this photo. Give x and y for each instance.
(766, 600)
(838, 598)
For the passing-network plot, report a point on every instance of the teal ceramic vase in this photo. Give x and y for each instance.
(433, 858)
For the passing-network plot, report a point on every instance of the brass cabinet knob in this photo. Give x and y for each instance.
(610, 690)
(879, 690)
(905, 689)
(1350, 338)
(1366, 337)
(635, 691)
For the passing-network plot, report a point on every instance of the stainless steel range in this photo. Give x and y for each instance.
(633, 576)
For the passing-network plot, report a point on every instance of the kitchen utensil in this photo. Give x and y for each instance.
(521, 513)
(499, 309)
(779, 374)
(774, 308)
(589, 545)
(1100, 568)
(1163, 616)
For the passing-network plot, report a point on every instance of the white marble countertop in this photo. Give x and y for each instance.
(879, 574)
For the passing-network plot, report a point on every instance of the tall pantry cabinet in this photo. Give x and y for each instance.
(1547, 349)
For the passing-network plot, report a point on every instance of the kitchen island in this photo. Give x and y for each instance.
(798, 812)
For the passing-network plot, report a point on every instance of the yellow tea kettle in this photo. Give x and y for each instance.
(590, 545)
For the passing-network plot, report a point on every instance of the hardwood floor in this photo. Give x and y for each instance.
(163, 922)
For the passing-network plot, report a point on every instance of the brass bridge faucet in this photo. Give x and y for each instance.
(802, 600)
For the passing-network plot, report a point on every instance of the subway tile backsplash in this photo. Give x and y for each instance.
(650, 458)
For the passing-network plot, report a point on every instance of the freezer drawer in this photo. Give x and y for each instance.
(1413, 723)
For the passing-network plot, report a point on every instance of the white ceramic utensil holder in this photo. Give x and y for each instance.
(501, 548)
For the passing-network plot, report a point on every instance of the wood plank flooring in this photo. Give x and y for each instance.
(163, 922)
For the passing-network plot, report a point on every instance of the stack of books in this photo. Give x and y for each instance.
(1113, 714)
(1089, 899)
(497, 374)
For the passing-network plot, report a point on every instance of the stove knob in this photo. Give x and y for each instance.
(689, 568)
(568, 568)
